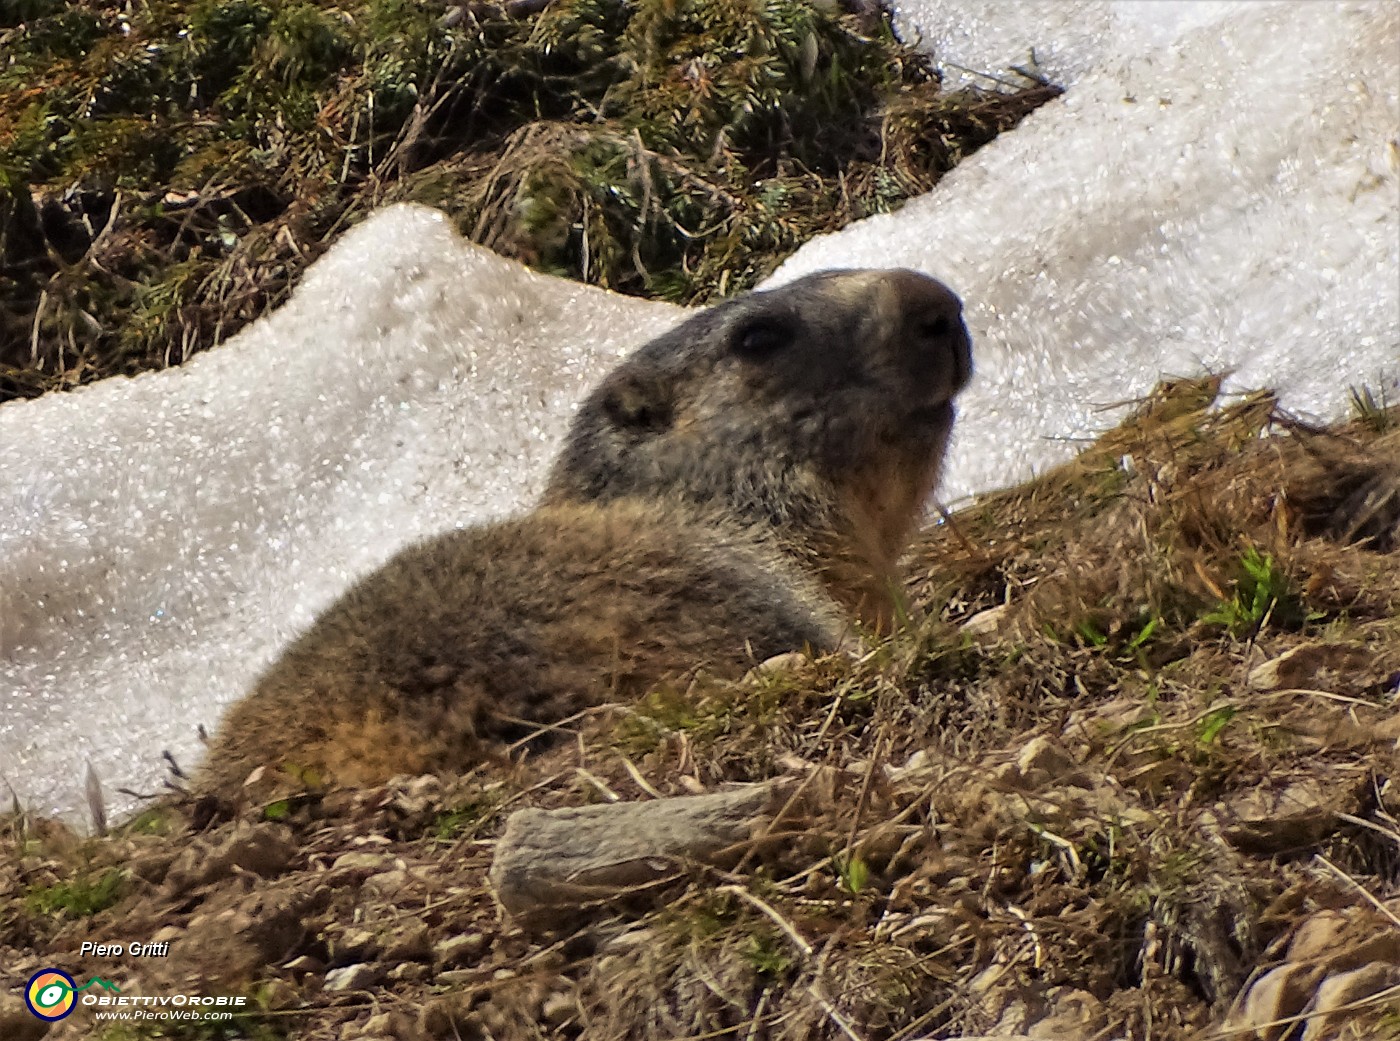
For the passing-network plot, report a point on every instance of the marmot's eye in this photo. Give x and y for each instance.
(934, 328)
(760, 338)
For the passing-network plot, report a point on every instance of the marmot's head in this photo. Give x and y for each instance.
(832, 395)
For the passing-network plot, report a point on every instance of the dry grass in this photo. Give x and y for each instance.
(169, 169)
(1088, 811)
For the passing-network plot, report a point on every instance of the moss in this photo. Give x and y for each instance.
(222, 38)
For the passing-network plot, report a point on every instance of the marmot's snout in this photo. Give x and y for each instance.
(934, 344)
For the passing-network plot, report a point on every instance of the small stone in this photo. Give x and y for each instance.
(987, 979)
(360, 860)
(151, 866)
(382, 1026)
(794, 763)
(457, 951)
(1287, 814)
(1381, 945)
(1275, 997)
(260, 849)
(934, 929)
(414, 799)
(354, 945)
(1007, 775)
(1342, 992)
(1322, 932)
(387, 884)
(559, 1008)
(457, 977)
(424, 786)
(1105, 720)
(352, 977)
(1042, 761)
(410, 972)
(788, 661)
(986, 623)
(442, 1016)
(411, 943)
(338, 804)
(1320, 666)
(278, 995)
(305, 964)
(917, 763)
(1072, 1014)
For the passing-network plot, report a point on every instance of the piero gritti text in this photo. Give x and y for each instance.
(130, 950)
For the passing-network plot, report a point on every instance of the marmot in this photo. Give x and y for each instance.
(738, 487)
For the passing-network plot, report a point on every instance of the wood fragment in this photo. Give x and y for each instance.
(565, 859)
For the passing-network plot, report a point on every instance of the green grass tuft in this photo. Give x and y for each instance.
(1263, 593)
(80, 897)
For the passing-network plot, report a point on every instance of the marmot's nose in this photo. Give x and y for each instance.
(934, 328)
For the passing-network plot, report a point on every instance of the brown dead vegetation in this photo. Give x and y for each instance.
(1130, 776)
(169, 169)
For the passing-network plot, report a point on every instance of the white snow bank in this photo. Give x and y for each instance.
(162, 537)
(1219, 187)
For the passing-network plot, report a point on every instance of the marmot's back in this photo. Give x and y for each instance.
(473, 639)
(722, 496)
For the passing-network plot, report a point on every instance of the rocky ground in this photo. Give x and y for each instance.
(1128, 772)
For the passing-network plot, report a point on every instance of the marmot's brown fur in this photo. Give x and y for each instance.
(739, 487)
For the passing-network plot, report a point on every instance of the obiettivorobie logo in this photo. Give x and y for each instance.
(52, 994)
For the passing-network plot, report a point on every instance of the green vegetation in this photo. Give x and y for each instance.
(464, 821)
(1263, 593)
(168, 169)
(277, 810)
(1373, 409)
(854, 872)
(158, 820)
(79, 897)
(768, 953)
(1214, 722)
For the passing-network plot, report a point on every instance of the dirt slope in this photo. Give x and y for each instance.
(1128, 773)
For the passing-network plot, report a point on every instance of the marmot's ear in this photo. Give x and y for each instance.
(639, 404)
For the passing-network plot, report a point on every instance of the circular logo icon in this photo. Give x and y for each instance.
(50, 994)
